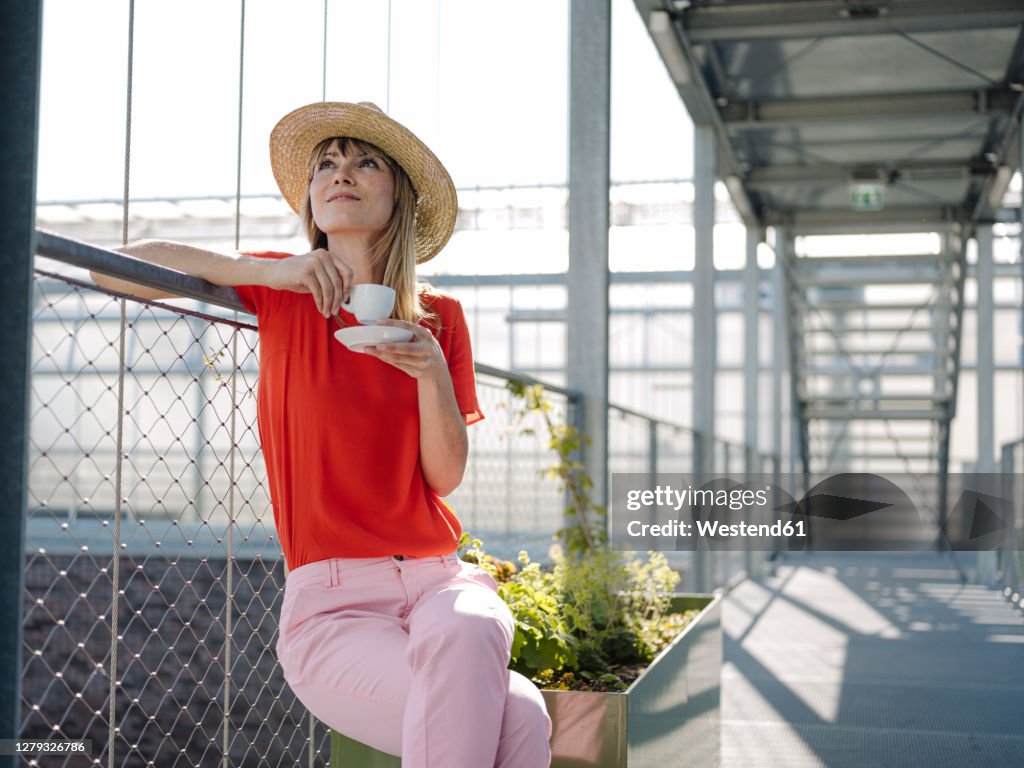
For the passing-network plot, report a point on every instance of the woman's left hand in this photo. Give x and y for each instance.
(419, 357)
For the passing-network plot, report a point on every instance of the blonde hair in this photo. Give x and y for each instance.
(396, 246)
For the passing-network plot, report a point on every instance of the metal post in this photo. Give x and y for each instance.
(587, 280)
(704, 348)
(20, 43)
(751, 366)
(986, 377)
(780, 343)
(798, 445)
(704, 320)
(1009, 490)
(699, 557)
(652, 448)
(751, 369)
(986, 351)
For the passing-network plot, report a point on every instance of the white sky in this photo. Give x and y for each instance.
(483, 82)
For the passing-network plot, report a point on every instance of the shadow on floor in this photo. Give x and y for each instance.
(861, 660)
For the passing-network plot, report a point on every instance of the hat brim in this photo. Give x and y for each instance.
(298, 133)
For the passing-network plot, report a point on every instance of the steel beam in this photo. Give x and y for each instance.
(874, 260)
(885, 439)
(589, 179)
(704, 318)
(780, 343)
(985, 398)
(891, 455)
(751, 353)
(844, 397)
(840, 220)
(684, 68)
(907, 170)
(20, 45)
(882, 306)
(891, 370)
(827, 414)
(754, 20)
(860, 278)
(986, 352)
(763, 113)
(810, 330)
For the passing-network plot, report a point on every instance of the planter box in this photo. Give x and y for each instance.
(668, 716)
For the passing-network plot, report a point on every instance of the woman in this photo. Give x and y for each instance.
(384, 634)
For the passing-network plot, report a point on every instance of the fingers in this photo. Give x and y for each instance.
(416, 357)
(329, 279)
(313, 286)
(345, 275)
(415, 367)
(328, 286)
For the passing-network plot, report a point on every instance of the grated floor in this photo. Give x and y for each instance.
(871, 660)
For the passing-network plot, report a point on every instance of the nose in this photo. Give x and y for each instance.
(343, 173)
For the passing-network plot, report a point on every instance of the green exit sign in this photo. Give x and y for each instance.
(867, 197)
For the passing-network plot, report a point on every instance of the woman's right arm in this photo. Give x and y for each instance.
(214, 267)
(325, 276)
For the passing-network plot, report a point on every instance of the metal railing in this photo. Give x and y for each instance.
(154, 575)
(1010, 558)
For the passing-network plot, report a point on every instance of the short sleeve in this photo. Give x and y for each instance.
(460, 365)
(259, 299)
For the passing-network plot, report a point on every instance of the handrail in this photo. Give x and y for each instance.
(79, 254)
(501, 373)
(647, 417)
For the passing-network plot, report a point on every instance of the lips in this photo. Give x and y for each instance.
(341, 196)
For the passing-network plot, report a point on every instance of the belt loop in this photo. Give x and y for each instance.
(333, 577)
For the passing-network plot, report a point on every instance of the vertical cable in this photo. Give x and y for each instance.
(323, 76)
(115, 576)
(238, 148)
(437, 74)
(387, 67)
(229, 585)
(312, 739)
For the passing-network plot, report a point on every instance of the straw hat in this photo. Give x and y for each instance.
(296, 135)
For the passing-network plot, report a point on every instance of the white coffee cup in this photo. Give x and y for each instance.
(370, 302)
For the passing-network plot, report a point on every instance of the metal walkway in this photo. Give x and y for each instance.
(855, 660)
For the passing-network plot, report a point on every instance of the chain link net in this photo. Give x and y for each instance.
(172, 610)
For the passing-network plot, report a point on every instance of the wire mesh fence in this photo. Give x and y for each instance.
(154, 575)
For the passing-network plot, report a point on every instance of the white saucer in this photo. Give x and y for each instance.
(358, 336)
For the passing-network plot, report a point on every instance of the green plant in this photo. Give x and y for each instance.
(597, 614)
(542, 639)
(588, 530)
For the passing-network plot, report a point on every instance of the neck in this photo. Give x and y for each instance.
(354, 249)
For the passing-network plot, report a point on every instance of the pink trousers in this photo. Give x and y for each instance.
(410, 656)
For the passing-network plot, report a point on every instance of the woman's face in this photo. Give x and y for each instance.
(353, 192)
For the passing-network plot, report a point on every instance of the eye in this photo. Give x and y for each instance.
(325, 164)
(368, 162)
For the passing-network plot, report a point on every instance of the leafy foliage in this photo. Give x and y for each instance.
(598, 612)
(588, 530)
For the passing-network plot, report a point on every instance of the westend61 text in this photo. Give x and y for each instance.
(713, 529)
